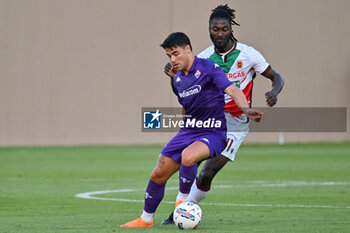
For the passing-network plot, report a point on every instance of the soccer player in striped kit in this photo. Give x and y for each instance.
(240, 63)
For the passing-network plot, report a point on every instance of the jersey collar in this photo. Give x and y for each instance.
(225, 55)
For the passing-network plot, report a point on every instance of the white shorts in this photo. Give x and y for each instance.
(237, 129)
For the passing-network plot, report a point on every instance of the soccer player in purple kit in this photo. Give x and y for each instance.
(200, 85)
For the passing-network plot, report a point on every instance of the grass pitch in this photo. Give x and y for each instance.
(269, 188)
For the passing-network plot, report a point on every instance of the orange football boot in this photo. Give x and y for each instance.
(138, 223)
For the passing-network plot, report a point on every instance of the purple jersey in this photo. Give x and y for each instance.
(201, 93)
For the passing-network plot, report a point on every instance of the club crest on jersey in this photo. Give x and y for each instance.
(178, 79)
(197, 74)
(239, 64)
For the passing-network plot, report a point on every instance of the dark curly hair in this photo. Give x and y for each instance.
(224, 12)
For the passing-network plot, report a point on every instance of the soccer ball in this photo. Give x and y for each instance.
(188, 215)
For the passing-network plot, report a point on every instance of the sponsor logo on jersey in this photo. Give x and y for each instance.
(235, 75)
(197, 74)
(178, 79)
(216, 65)
(190, 91)
(239, 64)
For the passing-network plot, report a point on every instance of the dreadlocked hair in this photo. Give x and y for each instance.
(225, 12)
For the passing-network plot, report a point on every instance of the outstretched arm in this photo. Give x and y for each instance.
(241, 101)
(277, 85)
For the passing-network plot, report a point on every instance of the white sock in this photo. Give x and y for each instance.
(196, 195)
(147, 217)
(181, 196)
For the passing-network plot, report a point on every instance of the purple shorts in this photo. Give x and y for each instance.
(216, 142)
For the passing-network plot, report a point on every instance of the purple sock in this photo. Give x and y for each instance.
(187, 175)
(153, 196)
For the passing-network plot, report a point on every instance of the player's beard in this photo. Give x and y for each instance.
(221, 43)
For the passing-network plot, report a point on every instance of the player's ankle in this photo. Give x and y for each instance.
(147, 217)
(181, 196)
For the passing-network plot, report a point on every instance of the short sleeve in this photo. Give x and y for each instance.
(257, 60)
(207, 52)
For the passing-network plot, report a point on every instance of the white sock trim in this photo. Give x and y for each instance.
(147, 217)
(196, 195)
(181, 196)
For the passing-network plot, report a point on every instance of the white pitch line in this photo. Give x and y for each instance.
(90, 195)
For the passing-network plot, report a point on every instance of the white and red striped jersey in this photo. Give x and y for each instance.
(239, 64)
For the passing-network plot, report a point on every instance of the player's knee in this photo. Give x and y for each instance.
(158, 177)
(187, 159)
